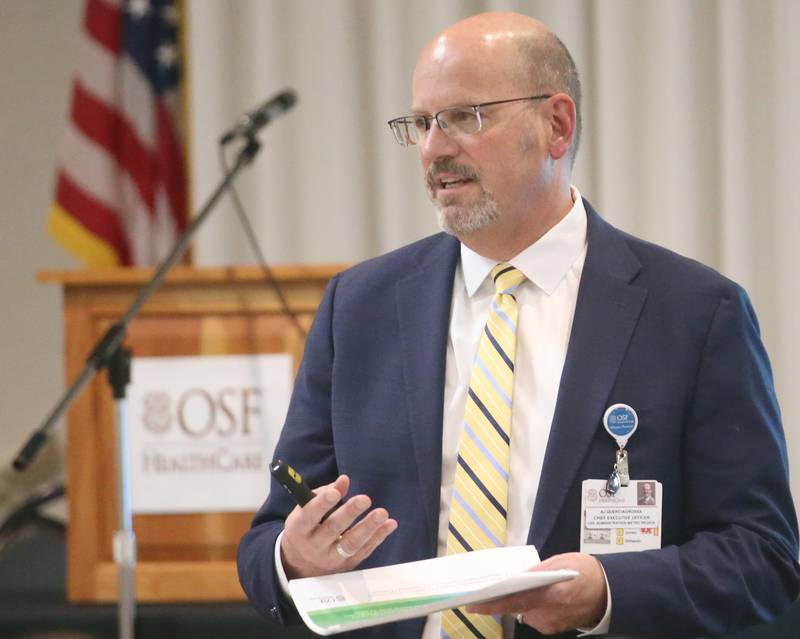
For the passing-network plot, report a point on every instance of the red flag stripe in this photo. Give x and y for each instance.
(106, 128)
(92, 215)
(172, 171)
(103, 23)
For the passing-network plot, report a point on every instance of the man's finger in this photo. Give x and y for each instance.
(341, 484)
(353, 540)
(378, 536)
(341, 519)
(512, 604)
(306, 519)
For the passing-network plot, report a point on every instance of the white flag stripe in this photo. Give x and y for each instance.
(137, 220)
(96, 70)
(90, 167)
(137, 104)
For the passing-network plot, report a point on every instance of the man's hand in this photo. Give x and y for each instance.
(308, 545)
(579, 602)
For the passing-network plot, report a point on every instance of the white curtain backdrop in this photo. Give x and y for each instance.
(690, 132)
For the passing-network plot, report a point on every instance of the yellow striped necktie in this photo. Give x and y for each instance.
(480, 489)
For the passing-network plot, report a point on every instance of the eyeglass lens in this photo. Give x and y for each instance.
(453, 122)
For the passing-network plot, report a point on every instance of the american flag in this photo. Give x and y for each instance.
(121, 187)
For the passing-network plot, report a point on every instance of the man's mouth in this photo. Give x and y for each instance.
(448, 176)
(449, 183)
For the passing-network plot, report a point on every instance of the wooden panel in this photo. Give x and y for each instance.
(174, 581)
(197, 311)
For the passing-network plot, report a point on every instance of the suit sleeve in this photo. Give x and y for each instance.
(738, 563)
(306, 442)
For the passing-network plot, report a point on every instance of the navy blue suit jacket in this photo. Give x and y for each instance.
(664, 334)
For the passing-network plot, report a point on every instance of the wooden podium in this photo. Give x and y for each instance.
(197, 311)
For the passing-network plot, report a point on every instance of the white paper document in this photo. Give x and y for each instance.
(361, 598)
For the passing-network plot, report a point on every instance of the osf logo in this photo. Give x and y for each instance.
(200, 413)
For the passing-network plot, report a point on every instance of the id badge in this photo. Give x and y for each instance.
(627, 520)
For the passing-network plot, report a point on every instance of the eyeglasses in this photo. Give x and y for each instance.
(454, 122)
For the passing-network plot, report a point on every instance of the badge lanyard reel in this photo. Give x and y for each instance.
(620, 421)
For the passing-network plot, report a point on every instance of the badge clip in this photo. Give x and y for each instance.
(620, 421)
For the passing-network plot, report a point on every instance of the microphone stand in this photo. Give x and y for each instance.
(107, 353)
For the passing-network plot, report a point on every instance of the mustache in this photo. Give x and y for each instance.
(451, 167)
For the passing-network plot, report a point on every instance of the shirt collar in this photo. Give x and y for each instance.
(546, 261)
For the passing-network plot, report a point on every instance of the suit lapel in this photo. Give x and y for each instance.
(423, 306)
(606, 312)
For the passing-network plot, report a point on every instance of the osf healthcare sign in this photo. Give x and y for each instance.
(202, 430)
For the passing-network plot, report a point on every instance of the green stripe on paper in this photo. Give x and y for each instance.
(359, 612)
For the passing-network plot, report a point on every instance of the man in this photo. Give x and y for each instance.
(392, 404)
(646, 497)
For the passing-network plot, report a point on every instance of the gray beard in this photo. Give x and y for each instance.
(466, 220)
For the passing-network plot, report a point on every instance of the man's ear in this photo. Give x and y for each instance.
(562, 123)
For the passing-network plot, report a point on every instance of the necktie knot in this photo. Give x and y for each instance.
(506, 278)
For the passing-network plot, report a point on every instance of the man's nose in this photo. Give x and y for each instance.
(436, 144)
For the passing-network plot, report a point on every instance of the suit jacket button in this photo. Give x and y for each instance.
(275, 613)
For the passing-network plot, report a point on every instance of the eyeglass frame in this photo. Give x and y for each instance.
(476, 108)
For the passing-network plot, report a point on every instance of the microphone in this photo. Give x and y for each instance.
(249, 124)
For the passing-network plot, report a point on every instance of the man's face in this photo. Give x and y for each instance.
(490, 179)
(647, 490)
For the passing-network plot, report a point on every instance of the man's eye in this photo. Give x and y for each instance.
(460, 116)
(420, 123)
